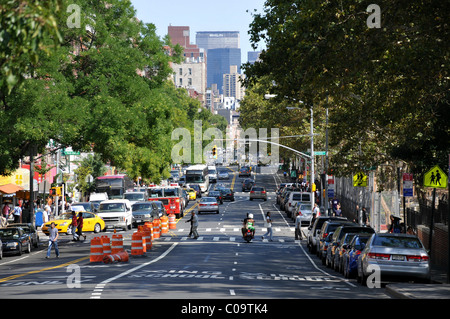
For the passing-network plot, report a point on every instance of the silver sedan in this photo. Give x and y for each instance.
(208, 204)
(258, 192)
(396, 256)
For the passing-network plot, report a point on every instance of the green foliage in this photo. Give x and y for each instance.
(388, 88)
(104, 88)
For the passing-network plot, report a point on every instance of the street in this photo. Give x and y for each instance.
(217, 265)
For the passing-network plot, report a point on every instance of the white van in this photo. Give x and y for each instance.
(116, 213)
(212, 173)
(295, 197)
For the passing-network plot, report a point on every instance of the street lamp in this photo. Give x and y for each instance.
(269, 96)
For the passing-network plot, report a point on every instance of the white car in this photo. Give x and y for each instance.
(305, 213)
(208, 204)
(295, 197)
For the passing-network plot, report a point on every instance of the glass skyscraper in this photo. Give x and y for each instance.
(222, 50)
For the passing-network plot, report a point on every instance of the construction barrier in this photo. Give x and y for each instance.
(113, 258)
(146, 241)
(116, 244)
(106, 242)
(148, 226)
(96, 250)
(156, 228)
(172, 222)
(137, 248)
(164, 224)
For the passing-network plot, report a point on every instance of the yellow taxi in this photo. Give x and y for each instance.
(91, 223)
(192, 193)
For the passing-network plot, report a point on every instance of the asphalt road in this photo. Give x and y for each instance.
(219, 265)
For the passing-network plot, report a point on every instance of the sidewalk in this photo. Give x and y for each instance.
(438, 289)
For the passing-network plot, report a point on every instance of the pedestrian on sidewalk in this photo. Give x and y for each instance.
(298, 227)
(74, 227)
(53, 240)
(17, 214)
(269, 227)
(80, 226)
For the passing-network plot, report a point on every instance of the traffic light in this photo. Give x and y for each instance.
(214, 151)
(56, 191)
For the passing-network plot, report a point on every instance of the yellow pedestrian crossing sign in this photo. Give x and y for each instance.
(435, 178)
(360, 180)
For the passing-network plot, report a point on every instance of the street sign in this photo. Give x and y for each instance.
(360, 180)
(435, 178)
(407, 185)
(330, 186)
(323, 153)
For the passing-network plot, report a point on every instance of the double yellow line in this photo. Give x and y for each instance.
(42, 270)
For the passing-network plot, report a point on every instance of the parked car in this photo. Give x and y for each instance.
(227, 194)
(322, 251)
(144, 212)
(340, 251)
(15, 240)
(217, 195)
(305, 213)
(314, 231)
(30, 230)
(208, 204)
(398, 256)
(91, 222)
(351, 255)
(258, 192)
(83, 206)
(247, 184)
(292, 200)
(338, 235)
(328, 227)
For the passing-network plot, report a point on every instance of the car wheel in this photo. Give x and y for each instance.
(19, 253)
(97, 228)
(28, 250)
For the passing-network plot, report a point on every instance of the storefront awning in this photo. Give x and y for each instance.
(10, 189)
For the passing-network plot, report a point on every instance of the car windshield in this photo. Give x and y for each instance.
(397, 242)
(305, 207)
(134, 196)
(112, 207)
(147, 207)
(65, 216)
(9, 233)
(208, 199)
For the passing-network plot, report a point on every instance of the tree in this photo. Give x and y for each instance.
(388, 88)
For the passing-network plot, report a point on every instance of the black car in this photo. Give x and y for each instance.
(247, 184)
(217, 195)
(245, 172)
(15, 240)
(227, 194)
(30, 230)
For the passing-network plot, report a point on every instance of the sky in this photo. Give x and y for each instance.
(201, 15)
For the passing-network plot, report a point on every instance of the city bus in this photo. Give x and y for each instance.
(114, 185)
(198, 174)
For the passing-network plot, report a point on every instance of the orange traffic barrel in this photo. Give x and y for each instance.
(164, 224)
(148, 226)
(96, 250)
(116, 244)
(106, 242)
(172, 222)
(137, 248)
(114, 258)
(156, 228)
(146, 241)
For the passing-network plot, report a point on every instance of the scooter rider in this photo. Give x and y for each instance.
(249, 223)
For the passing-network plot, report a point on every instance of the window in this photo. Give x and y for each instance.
(181, 71)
